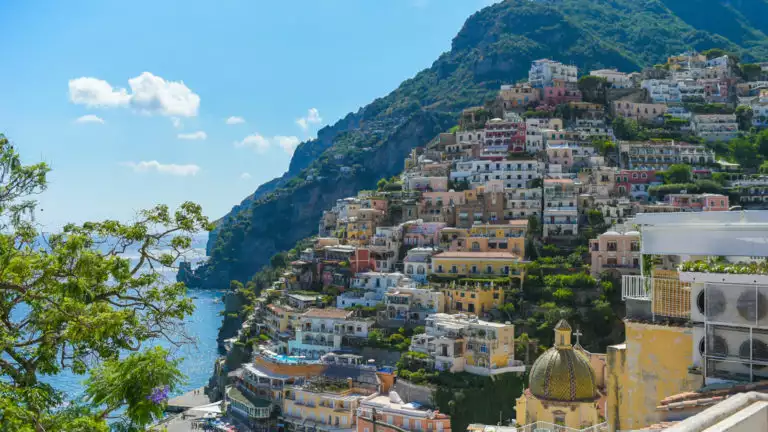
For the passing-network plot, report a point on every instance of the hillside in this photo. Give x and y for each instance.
(495, 46)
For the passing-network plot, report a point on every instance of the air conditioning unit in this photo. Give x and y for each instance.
(731, 304)
(735, 348)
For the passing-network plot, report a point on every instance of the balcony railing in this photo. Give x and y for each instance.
(669, 298)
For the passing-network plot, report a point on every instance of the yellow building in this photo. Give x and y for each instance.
(473, 297)
(493, 237)
(324, 405)
(562, 387)
(651, 365)
(481, 265)
(281, 320)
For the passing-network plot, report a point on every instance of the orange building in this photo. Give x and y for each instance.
(394, 415)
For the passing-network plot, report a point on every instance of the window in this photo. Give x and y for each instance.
(454, 269)
(474, 269)
(440, 268)
(489, 269)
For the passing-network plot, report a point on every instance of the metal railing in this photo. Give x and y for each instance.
(668, 297)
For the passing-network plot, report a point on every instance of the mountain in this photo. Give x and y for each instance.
(496, 45)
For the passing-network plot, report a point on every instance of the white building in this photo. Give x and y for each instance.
(522, 203)
(715, 127)
(321, 331)
(417, 263)
(512, 173)
(561, 213)
(543, 72)
(411, 304)
(662, 91)
(615, 78)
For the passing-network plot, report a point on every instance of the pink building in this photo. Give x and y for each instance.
(422, 234)
(561, 93)
(509, 133)
(698, 202)
(635, 183)
(616, 252)
(378, 204)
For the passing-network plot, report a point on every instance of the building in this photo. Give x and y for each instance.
(560, 92)
(486, 207)
(713, 318)
(753, 192)
(522, 203)
(280, 321)
(321, 331)
(459, 343)
(514, 174)
(544, 72)
(452, 265)
(561, 214)
(519, 96)
(394, 415)
(615, 78)
(509, 237)
(642, 112)
(325, 405)
(617, 251)
(563, 386)
(698, 202)
(505, 135)
(410, 305)
(477, 298)
(635, 183)
(417, 262)
(658, 156)
(715, 127)
(663, 91)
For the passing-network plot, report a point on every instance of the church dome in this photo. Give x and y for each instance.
(563, 373)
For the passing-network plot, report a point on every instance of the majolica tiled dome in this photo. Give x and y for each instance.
(563, 373)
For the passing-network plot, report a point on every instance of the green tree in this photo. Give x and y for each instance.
(744, 151)
(751, 71)
(744, 116)
(625, 129)
(593, 88)
(73, 300)
(381, 184)
(679, 173)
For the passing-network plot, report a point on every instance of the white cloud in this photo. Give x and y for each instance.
(235, 120)
(254, 141)
(177, 122)
(313, 117)
(288, 143)
(93, 92)
(194, 136)
(245, 176)
(261, 144)
(172, 169)
(150, 94)
(90, 118)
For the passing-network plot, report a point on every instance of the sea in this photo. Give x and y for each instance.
(203, 325)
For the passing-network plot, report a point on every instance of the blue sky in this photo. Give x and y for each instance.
(129, 101)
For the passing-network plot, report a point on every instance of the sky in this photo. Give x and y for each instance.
(144, 102)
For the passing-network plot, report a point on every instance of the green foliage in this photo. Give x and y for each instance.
(701, 186)
(593, 88)
(626, 129)
(744, 115)
(760, 268)
(86, 303)
(678, 173)
(751, 71)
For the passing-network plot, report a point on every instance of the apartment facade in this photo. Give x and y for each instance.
(460, 343)
(616, 251)
(715, 127)
(561, 212)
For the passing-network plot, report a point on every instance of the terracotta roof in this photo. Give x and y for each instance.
(326, 313)
(706, 397)
(475, 255)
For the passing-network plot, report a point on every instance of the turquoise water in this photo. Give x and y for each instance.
(197, 361)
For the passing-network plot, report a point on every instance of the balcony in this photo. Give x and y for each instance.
(652, 297)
